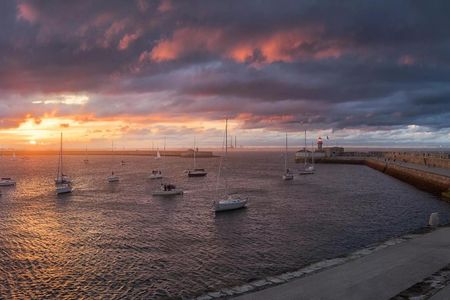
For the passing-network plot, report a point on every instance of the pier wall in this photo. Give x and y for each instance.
(430, 182)
(423, 180)
(420, 158)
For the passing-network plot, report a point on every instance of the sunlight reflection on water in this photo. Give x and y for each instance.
(117, 240)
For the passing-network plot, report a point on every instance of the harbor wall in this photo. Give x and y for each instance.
(420, 158)
(423, 180)
(430, 182)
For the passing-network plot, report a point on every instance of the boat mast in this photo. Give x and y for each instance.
(305, 147)
(60, 163)
(112, 155)
(194, 154)
(219, 173)
(226, 136)
(285, 155)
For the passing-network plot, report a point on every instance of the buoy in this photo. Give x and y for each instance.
(434, 219)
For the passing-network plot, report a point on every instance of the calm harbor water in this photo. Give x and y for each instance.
(116, 240)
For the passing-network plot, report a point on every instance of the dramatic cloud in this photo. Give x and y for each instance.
(368, 72)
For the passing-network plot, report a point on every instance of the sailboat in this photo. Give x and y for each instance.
(196, 172)
(287, 173)
(62, 182)
(156, 173)
(158, 155)
(308, 169)
(86, 160)
(6, 181)
(233, 201)
(113, 177)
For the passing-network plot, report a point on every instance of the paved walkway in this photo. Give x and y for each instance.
(435, 170)
(380, 275)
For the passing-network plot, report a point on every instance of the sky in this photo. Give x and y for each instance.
(363, 73)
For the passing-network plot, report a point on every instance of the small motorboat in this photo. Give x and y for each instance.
(168, 190)
(7, 181)
(231, 203)
(197, 173)
(156, 174)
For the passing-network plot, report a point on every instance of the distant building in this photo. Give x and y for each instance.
(333, 151)
(300, 154)
(320, 152)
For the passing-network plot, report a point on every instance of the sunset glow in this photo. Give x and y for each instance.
(154, 71)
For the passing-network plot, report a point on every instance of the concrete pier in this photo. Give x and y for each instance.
(430, 179)
(382, 274)
(427, 181)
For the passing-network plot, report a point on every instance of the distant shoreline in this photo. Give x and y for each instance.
(179, 153)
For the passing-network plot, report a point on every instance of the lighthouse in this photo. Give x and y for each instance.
(319, 144)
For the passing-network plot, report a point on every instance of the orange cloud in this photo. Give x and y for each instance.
(116, 28)
(127, 39)
(27, 12)
(286, 46)
(185, 41)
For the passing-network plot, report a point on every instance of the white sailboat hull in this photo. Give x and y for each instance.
(231, 203)
(197, 173)
(155, 176)
(112, 178)
(288, 176)
(307, 170)
(64, 189)
(168, 193)
(7, 182)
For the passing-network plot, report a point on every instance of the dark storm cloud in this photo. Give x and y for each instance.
(347, 64)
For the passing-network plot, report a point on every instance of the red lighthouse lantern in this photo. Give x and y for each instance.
(319, 144)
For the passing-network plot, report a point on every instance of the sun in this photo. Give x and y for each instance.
(32, 142)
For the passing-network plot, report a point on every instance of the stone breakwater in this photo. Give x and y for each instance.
(427, 181)
(421, 158)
